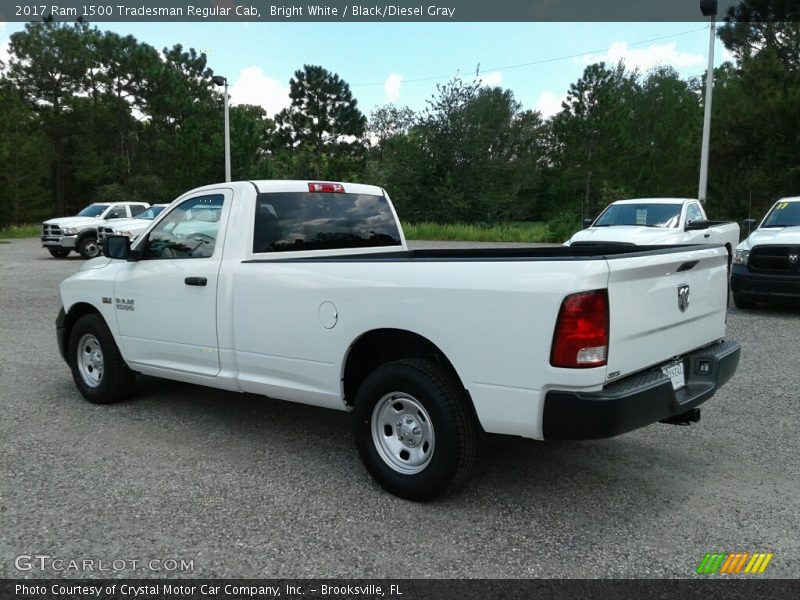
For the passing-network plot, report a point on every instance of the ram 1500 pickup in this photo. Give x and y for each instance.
(130, 227)
(63, 235)
(656, 222)
(766, 266)
(307, 292)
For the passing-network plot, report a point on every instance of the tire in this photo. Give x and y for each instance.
(88, 247)
(415, 402)
(740, 302)
(59, 252)
(98, 369)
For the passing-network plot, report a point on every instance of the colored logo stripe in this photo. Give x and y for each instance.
(734, 563)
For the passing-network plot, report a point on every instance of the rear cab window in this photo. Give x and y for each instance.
(296, 221)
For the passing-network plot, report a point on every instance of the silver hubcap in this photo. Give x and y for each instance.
(402, 433)
(90, 360)
(91, 249)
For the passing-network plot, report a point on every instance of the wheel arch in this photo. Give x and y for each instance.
(90, 232)
(380, 346)
(76, 311)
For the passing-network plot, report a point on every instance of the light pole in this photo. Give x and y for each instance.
(709, 9)
(223, 81)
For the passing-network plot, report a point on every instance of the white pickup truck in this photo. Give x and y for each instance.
(306, 291)
(130, 227)
(656, 222)
(64, 234)
(766, 266)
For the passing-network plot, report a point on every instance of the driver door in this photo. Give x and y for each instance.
(166, 303)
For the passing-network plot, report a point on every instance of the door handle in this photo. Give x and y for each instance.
(707, 235)
(201, 281)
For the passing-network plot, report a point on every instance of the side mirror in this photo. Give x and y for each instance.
(696, 225)
(587, 223)
(750, 224)
(119, 247)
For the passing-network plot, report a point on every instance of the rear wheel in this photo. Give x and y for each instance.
(414, 430)
(98, 369)
(59, 252)
(740, 302)
(88, 247)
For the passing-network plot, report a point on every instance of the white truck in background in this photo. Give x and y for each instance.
(656, 222)
(64, 234)
(129, 227)
(306, 291)
(766, 266)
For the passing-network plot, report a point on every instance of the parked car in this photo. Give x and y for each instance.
(306, 291)
(130, 227)
(63, 235)
(766, 266)
(656, 221)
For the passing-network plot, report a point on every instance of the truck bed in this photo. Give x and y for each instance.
(608, 251)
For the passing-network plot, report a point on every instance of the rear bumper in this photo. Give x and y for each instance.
(66, 241)
(756, 286)
(640, 399)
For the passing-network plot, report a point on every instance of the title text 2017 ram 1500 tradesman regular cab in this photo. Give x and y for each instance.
(766, 266)
(306, 292)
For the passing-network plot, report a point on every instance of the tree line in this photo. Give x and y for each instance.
(90, 115)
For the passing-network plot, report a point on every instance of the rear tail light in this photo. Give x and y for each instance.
(335, 188)
(581, 336)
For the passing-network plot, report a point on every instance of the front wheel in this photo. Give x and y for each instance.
(88, 247)
(58, 252)
(414, 430)
(98, 369)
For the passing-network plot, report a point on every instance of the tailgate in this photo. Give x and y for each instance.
(650, 318)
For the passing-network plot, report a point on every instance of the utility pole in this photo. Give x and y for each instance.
(709, 9)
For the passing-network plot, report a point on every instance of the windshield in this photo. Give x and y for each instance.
(93, 210)
(783, 214)
(645, 215)
(151, 213)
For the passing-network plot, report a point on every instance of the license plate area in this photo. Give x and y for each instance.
(675, 372)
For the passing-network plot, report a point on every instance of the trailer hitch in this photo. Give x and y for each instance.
(686, 418)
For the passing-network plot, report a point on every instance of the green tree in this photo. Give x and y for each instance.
(755, 132)
(49, 66)
(250, 139)
(592, 137)
(24, 160)
(321, 134)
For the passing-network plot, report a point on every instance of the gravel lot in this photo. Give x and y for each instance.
(250, 487)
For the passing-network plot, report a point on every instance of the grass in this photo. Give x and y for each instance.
(525, 232)
(20, 231)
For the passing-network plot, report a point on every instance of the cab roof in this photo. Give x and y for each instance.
(266, 186)
(655, 201)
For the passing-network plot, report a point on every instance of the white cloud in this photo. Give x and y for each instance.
(493, 79)
(646, 58)
(549, 104)
(392, 87)
(254, 87)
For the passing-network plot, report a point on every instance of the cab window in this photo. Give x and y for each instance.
(291, 221)
(117, 212)
(188, 231)
(693, 213)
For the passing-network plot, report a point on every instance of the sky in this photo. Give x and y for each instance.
(401, 63)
